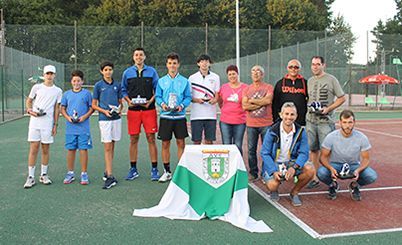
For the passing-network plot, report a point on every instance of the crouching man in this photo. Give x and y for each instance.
(284, 153)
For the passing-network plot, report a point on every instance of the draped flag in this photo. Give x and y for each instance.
(209, 181)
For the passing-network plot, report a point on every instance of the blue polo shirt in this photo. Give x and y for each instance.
(107, 94)
(80, 102)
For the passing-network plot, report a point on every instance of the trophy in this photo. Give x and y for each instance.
(206, 99)
(40, 112)
(172, 103)
(345, 172)
(138, 100)
(315, 107)
(282, 170)
(74, 117)
(114, 111)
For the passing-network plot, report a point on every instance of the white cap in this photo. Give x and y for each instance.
(49, 68)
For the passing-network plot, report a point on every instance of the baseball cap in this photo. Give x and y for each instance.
(49, 68)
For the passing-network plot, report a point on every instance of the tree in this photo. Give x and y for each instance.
(342, 40)
(388, 35)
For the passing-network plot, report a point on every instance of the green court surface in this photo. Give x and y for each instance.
(75, 214)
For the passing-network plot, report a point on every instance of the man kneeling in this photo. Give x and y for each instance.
(346, 145)
(284, 153)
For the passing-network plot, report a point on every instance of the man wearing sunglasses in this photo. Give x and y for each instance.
(291, 88)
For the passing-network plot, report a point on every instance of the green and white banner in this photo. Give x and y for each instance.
(209, 181)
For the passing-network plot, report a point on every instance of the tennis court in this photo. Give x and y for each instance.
(73, 213)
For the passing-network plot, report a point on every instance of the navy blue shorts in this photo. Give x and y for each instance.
(207, 126)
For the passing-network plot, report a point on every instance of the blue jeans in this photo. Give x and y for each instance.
(252, 140)
(233, 134)
(367, 176)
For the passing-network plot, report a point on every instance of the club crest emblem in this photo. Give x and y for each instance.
(215, 165)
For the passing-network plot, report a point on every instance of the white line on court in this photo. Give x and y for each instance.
(342, 191)
(380, 133)
(286, 212)
(310, 230)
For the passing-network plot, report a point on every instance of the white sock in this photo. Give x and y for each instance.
(31, 171)
(83, 173)
(44, 169)
(70, 172)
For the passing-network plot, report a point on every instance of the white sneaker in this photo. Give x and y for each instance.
(166, 176)
(30, 182)
(44, 179)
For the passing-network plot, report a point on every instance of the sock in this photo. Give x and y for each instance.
(31, 171)
(166, 166)
(83, 173)
(44, 169)
(70, 172)
(133, 164)
(154, 164)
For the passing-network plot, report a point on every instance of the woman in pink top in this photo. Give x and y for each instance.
(233, 117)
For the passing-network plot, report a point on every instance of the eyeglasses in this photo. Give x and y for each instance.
(294, 67)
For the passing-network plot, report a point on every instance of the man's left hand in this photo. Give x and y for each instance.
(356, 173)
(290, 173)
(325, 110)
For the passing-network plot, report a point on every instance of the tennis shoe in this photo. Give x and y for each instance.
(132, 174)
(154, 174)
(69, 178)
(30, 182)
(84, 179)
(166, 176)
(44, 179)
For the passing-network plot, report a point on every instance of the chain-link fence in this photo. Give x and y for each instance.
(85, 47)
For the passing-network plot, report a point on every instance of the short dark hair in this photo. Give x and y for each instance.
(319, 57)
(139, 49)
(77, 73)
(173, 56)
(106, 63)
(204, 57)
(232, 68)
(347, 114)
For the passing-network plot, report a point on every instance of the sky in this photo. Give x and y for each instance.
(362, 16)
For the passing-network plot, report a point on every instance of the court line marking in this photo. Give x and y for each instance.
(359, 233)
(310, 230)
(380, 133)
(343, 191)
(286, 212)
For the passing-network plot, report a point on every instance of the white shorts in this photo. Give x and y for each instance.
(42, 135)
(110, 130)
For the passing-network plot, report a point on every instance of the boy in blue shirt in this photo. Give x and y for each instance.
(106, 97)
(76, 109)
(173, 95)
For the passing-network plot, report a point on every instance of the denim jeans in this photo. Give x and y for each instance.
(253, 135)
(233, 134)
(367, 176)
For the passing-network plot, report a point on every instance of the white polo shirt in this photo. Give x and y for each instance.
(204, 87)
(286, 143)
(44, 98)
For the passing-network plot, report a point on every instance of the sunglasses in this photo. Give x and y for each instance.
(294, 67)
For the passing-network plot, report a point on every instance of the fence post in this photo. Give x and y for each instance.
(269, 53)
(22, 93)
(206, 38)
(281, 59)
(75, 45)
(2, 92)
(325, 44)
(297, 50)
(317, 46)
(142, 34)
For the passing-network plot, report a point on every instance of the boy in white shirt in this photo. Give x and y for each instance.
(43, 106)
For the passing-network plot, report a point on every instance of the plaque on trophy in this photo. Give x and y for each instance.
(315, 107)
(345, 172)
(139, 100)
(172, 103)
(74, 117)
(40, 112)
(114, 111)
(206, 98)
(282, 170)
